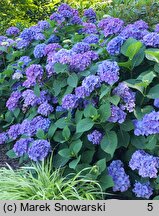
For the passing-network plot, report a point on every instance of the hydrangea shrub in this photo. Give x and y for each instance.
(88, 90)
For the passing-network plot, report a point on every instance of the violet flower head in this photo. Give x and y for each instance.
(34, 74)
(66, 14)
(141, 25)
(114, 45)
(91, 39)
(69, 101)
(3, 138)
(89, 28)
(146, 164)
(81, 47)
(21, 146)
(90, 83)
(12, 31)
(57, 18)
(25, 60)
(76, 20)
(53, 39)
(117, 115)
(63, 7)
(90, 15)
(39, 150)
(120, 178)
(14, 131)
(52, 47)
(21, 44)
(13, 101)
(39, 50)
(114, 26)
(30, 99)
(27, 34)
(27, 128)
(50, 69)
(39, 36)
(45, 109)
(43, 25)
(148, 125)
(41, 123)
(151, 39)
(95, 137)
(108, 72)
(127, 95)
(63, 56)
(81, 92)
(143, 190)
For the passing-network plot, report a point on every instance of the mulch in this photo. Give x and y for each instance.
(4, 159)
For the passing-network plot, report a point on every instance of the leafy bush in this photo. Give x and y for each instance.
(88, 90)
(41, 182)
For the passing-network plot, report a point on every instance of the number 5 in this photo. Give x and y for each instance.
(150, 206)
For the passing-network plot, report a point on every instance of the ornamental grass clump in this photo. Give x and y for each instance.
(87, 89)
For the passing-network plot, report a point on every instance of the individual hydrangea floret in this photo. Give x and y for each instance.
(90, 15)
(3, 138)
(39, 51)
(81, 47)
(108, 72)
(45, 109)
(14, 131)
(95, 137)
(148, 125)
(21, 146)
(120, 178)
(69, 101)
(114, 45)
(13, 101)
(127, 95)
(12, 31)
(117, 115)
(39, 150)
(151, 39)
(90, 83)
(91, 39)
(34, 74)
(146, 164)
(143, 190)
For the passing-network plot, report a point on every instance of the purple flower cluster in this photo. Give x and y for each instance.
(45, 109)
(148, 125)
(90, 15)
(117, 115)
(95, 137)
(127, 95)
(39, 150)
(12, 31)
(91, 39)
(13, 101)
(3, 138)
(14, 131)
(34, 74)
(120, 178)
(39, 50)
(151, 39)
(108, 72)
(43, 25)
(52, 48)
(89, 28)
(90, 83)
(146, 164)
(21, 146)
(143, 190)
(24, 60)
(69, 101)
(81, 47)
(114, 45)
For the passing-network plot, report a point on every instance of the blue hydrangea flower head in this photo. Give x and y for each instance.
(95, 137)
(143, 190)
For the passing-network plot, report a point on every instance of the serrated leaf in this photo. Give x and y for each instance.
(105, 112)
(74, 163)
(76, 146)
(65, 153)
(72, 80)
(66, 133)
(154, 92)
